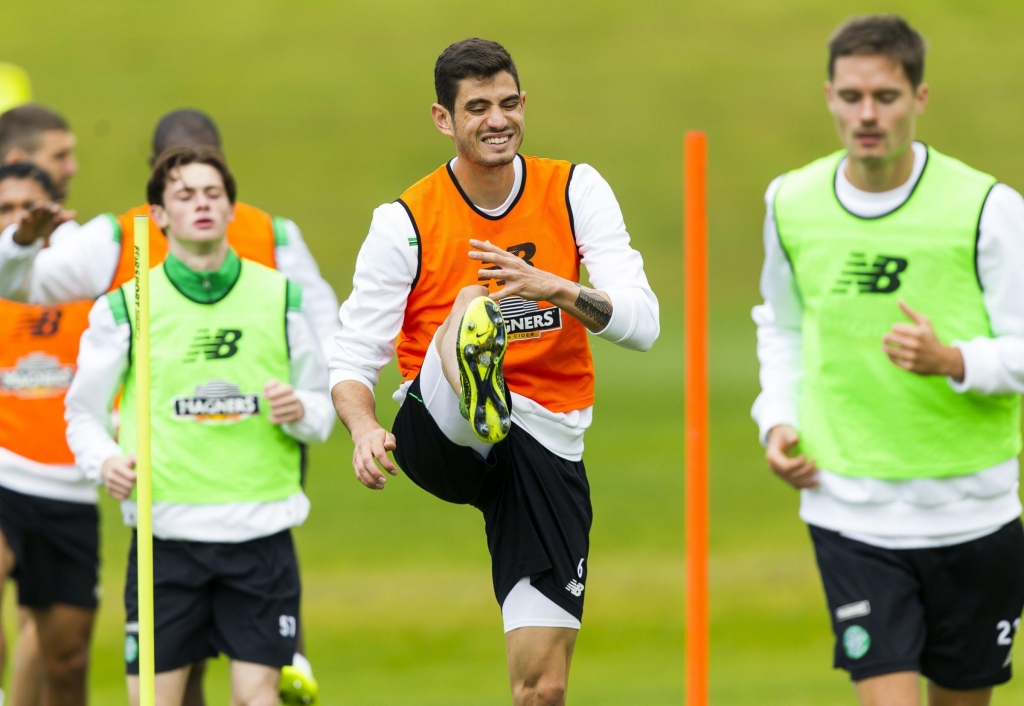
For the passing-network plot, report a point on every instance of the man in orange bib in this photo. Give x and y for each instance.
(472, 278)
(49, 525)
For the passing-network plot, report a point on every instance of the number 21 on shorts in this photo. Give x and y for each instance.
(1007, 631)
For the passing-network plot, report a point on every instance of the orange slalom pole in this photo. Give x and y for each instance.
(695, 258)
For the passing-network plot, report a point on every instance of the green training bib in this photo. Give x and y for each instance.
(212, 440)
(860, 414)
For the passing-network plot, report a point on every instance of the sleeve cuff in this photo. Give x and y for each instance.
(345, 375)
(978, 358)
(769, 414)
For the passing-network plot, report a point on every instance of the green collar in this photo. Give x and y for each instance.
(204, 287)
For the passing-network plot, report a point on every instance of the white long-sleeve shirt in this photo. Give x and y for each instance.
(102, 365)
(922, 512)
(80, 264)
(372, 316)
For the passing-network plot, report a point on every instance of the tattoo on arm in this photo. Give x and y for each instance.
(594, 307)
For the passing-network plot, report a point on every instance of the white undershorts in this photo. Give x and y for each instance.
(524, 606)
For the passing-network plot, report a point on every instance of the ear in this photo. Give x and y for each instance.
(159, 216)
(442, 120)
(16, 155)
(828, 91)
(921, 96)
(522, 98)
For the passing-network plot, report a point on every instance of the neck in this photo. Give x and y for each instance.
(486, 187)
(206, 256)
(877, 176)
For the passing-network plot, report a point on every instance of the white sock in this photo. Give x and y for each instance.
(298, 661)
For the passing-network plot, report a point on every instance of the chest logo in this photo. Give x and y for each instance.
(217, 402)
(36, 375)
(524, 251)
(222, 344)
(525, 319)
(45, 324)
(880, 277)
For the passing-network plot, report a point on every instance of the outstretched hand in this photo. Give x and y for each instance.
(40, 222)
(915, 347)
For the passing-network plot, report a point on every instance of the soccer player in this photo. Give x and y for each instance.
(490, 227)
(33, 133)
(891, 339)
(238, 386)
(99, 258)
(49, 526)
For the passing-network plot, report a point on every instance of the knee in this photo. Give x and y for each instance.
(263, 698)
(69, 667)
(544, 692)
(468, 294)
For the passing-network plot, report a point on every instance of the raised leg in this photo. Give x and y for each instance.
(538, 664)
(448, 333)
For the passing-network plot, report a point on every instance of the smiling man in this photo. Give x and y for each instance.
(891, 339)
(482, 255)
(238, 386)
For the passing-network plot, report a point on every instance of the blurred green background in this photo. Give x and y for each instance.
(324, 109)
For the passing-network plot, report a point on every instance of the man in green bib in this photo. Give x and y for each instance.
(891, 342)
(238, 384)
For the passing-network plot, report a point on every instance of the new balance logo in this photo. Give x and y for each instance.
(575, 588)
(46, 324)
(880, 277)
(222, 344)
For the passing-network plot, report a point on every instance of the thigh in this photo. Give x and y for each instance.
(254, 683)
(974, 594)
(170, 687)
(256, 601)
(538, 524)
(181, 607)
(434, 462)
(875, 605)
(63, 630)
(895, 689)
(539, 660)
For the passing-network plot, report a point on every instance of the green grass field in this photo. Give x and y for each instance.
(324, 111)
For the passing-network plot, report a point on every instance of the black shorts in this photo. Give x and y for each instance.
(949, 613)
(56, 546)
(210, 598)
(536, 505)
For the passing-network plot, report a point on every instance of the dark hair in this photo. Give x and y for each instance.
(886, 35)
(180, 156)
(22, 127)
(474, 57)
(27, 170)
(184, 128)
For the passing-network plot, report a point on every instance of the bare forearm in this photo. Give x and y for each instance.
(356, 407)
(592, 307)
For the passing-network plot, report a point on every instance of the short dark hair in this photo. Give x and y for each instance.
(27, 170)
(22, 127)
(474, 57)
(180, 156)
(184, 128)
(886, 35)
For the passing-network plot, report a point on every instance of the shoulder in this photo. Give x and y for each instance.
(104, 227)
(773, 189)
(957, 167)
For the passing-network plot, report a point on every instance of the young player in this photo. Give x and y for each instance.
(891, 339)
(235, 396)
(99, 257)
(49, 526)
(492, 226)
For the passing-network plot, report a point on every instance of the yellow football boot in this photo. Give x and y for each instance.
(480, 350)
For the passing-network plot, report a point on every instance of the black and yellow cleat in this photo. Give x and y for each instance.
(480, 350)
(298, 687)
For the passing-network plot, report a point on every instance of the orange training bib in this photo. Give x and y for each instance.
(548, 359)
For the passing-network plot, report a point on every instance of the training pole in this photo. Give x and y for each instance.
(695, 258)
(143, 466)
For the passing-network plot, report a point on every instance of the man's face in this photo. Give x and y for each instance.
(874, 105)
(17, 197)
(196, 207)
(489, 123)
(56, 157)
